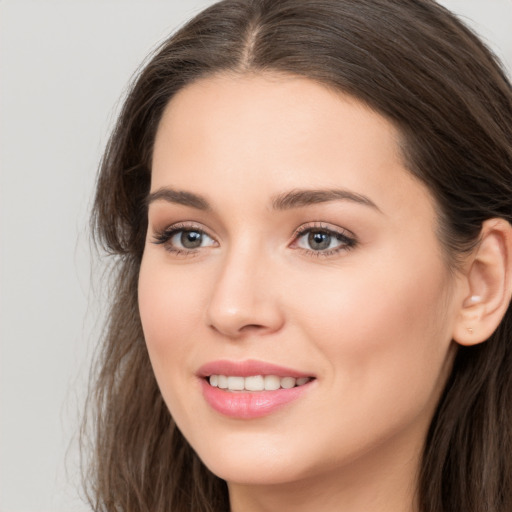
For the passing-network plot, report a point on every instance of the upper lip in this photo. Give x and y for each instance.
(248, 368)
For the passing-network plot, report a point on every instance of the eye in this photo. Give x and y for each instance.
(180, 239)
(189, 239)
(317, 241)
(323, 241)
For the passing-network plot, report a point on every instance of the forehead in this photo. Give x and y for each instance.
(277, 132)
(273, 110)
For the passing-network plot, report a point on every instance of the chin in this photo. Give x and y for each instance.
(252, 461)
(248, 472)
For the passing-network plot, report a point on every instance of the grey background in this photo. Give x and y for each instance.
(63, 67)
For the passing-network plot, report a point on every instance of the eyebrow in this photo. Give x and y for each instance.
(179, 197)
(297, 198)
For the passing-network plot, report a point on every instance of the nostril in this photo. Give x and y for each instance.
(252, 327)
(233, 316)
(245, 329)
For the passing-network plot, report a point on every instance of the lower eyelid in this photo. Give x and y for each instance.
(165, 238)
(347, 241)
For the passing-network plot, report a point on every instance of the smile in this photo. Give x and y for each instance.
(256, 382)
(251, 389)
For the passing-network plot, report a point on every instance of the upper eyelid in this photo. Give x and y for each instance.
(299, 231)
(164, 234)
(347, 237)
(163, 237)
(183, 226)
(321, 226)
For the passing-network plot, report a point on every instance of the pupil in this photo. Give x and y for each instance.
(191, 239)
(319, 240)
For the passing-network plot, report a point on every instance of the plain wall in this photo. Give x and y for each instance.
(63, 67)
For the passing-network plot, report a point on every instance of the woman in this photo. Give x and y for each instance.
(310, 204)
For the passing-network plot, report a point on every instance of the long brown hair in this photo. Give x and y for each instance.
(417, 65)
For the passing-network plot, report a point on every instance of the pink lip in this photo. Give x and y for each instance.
(249, 404)
(247, 368)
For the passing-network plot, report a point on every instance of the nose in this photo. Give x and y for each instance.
(246, 297)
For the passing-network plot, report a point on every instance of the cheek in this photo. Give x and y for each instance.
(386, 334)
(170, 309)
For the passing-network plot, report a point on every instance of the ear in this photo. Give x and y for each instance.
(488, 277)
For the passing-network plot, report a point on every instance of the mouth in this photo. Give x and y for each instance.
(252, 389)
(255, 383)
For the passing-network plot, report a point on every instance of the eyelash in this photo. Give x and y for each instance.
(165, 236)
(347, 240)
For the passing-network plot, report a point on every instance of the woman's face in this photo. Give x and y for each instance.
(288, 246)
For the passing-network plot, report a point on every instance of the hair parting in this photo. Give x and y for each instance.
(420, 67)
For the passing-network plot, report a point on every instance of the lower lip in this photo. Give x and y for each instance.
(250, 404)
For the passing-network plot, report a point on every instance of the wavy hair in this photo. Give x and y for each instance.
(416, 64)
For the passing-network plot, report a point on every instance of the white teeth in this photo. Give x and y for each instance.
(288, 382)
(236, 383)
(272, 382)
(256, 382)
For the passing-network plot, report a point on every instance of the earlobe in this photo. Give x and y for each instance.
(489, 281)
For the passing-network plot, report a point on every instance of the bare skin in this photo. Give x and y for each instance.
(349, 287)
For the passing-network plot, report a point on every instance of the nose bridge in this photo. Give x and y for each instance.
(243, 298)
